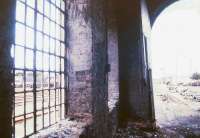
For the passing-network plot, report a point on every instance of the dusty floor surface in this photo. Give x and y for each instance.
(178, 108)
(177, 114)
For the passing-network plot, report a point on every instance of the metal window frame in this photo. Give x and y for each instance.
(34, 70)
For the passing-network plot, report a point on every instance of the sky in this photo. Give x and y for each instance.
(175, 40)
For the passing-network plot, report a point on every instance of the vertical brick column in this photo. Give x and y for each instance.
(7, 16)
(99, 66)
(113, 59)
(79, 39)
(87, 60)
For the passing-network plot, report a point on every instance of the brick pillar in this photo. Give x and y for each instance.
(100, 72)
(79, 38)
(87, 60)
(113, 58)
(7, 16)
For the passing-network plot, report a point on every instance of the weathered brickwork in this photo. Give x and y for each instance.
(88, 63)
(134, 98)
(79, 39)
(104, 65)
(113, 59)
(99, 74)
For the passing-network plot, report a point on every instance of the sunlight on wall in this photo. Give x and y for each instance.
(175, 40)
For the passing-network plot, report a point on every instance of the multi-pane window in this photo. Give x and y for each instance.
(39, 56)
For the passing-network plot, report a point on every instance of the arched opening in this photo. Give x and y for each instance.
(175, 67)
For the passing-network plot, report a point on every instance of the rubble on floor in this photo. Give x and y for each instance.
(72, 127)
(141, 130)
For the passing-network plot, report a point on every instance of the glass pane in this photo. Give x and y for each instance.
(52, 29)
(57, 64)
(63, 95)
(39, 76)
(63, 111)
(30, 17)
(31, 3)
(39, 100)
(58, 48)
(46, 98)
(29, 59)
(57, 80)
(62, 80)
(62, 34)
(46, 117)
(40, 5)
(62, 20)
(19, 127)
(29, 102)
(46, 25)
(46, 43)
(20, 34)
(20, 12)
(62, 64)
(29, 37)
(53, 1)
(39, 22)
(58, 96)
(62, 49)
(62, 5)
(52, 45)
(19, 57)
(52, 63)
(19, 81)
(19, 104)
(39, 120)
(53, 12)
(29, 80)
(52, 80)
(46, 62)
(58, 32)
(57, 112)
(57, 16)
(39, 60)
(46, 80)
(47, 8)
(58, 3)
(39, 41)
(52, 98)
(29, 124)
(53, 121)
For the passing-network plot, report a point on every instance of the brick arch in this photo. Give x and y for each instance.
(157, 7)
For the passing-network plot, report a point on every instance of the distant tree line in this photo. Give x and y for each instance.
(195, 76)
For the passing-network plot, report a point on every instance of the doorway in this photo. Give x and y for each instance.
(175, 46)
